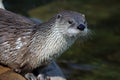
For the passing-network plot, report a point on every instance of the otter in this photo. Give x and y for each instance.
(25, 45)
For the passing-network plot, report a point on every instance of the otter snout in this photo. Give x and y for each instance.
(81, 27)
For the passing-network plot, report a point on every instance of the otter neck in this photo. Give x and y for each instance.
(50, 46)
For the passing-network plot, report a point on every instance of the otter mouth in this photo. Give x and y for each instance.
(83, 32)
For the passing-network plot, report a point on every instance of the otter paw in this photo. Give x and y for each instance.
(42, 77)
(30, 76)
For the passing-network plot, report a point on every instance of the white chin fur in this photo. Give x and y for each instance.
(73, 31)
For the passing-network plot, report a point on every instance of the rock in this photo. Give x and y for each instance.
(8, 74)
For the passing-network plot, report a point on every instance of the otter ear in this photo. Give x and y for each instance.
(58, 16)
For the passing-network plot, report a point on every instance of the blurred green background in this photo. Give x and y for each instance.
(97, 58)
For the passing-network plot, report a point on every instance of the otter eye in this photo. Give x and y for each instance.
(70, 22)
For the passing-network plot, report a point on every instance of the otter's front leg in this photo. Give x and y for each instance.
(31, 76)
(50, 72)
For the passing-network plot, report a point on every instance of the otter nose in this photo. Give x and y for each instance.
(81, 27)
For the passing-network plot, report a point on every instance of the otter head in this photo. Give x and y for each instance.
(71, 24)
